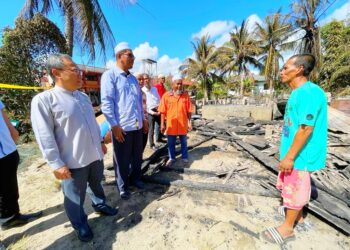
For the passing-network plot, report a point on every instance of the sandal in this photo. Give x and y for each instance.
(273, 236)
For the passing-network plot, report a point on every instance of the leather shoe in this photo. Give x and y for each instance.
(125, 195)
(85, 233)
(104, 209)
(20, 220)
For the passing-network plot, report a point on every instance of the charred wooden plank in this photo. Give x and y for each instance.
(208, 186)
(213, 173)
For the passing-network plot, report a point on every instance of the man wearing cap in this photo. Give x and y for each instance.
(68, 135)
(160, 85)
(176, 108)
(121, 99)
(152, 101)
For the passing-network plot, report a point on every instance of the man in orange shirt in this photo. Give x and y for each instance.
(176, 108)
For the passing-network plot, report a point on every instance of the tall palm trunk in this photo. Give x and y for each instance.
(273, 73)
(241, 91)
(69, 26)
(205, 88)
(317, 54)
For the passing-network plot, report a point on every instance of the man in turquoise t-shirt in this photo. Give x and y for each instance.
(303, 143)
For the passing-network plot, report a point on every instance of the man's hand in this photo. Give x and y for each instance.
(118, 133)
(145, 126)
(162, 128)
(62, 173)
(108, 137)
(189, 126)
(286, 165)
(157, 113)
(14, 135)
(13, 131)
(104, 148)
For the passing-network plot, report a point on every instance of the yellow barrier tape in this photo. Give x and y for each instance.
(13, 86)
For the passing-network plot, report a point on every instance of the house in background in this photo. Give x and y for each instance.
(260, 86)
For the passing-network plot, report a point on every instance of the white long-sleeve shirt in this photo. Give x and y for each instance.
(152, 99)
(7, 145)
(65, 128)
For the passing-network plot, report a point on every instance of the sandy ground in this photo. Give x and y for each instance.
(162, 217)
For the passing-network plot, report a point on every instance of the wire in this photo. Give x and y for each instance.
(145, 10)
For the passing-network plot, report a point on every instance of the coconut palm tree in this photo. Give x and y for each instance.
(242, 50)
(85, 23)
(203, 64)
(305, 16)
(273, 38)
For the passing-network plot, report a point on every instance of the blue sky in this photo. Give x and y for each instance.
(165, 35)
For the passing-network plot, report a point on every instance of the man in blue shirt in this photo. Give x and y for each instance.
(303, 143)
(121, 99)
(9, 160)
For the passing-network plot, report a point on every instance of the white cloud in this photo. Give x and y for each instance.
(252, 20)
(165, 64)
(110, 64)
(225, 37)
(145, 51)
(222, 39)
(215, 29)
(339, 14)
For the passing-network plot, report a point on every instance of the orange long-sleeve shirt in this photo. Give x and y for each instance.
(176, 109)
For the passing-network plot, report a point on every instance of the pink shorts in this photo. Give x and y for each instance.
(295, 187)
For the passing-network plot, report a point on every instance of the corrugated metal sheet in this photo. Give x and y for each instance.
(338, 121)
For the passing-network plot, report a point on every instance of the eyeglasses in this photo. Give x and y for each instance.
(130, 55)
(76, 71)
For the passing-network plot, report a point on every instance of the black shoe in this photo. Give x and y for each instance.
(125, 195)
(85, 233)
(20, 220)
(105, 209)
(154, 147)
(139, 184)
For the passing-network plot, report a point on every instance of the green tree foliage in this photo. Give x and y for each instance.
(23, 51)
(273, 38)
(85, 23)
(204, 63)
(335, 72)
(242, 50)
(305, 15)
(219, 87)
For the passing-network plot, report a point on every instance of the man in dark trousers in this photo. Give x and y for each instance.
(9, 160)
(152, 102)
(69, 138)
(121, 99)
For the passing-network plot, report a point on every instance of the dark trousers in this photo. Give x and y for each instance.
(153, 128)
(8, 185)
(144, 141)
(172, 145)
(128, 153)
(87, 179)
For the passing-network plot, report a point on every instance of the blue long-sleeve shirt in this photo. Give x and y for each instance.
(121, 99)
